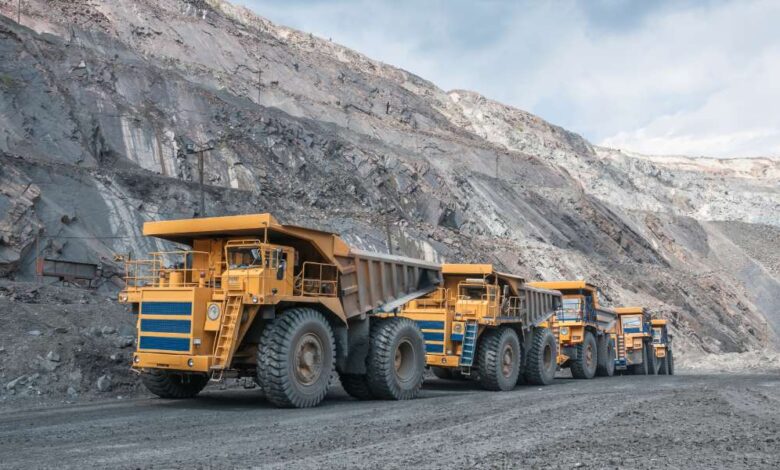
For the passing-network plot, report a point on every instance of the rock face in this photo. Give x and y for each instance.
(100, 101)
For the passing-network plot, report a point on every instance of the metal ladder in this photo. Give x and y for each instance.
(621, 348)
(469, 344)
(228, 332)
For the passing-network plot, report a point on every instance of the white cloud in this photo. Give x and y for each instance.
(698, 78)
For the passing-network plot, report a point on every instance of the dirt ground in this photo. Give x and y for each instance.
(693, 421)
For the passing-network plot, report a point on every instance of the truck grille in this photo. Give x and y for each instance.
(165, 326)
(151, 327)
(164, 344)
(166, 308)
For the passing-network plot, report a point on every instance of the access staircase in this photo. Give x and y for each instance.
(469, 344)
(228, 332)
(621, 362)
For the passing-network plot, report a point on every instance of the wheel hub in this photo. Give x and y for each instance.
(507, 360)
(589, 355)
(308, 359)
(547, 357)
(403, 360)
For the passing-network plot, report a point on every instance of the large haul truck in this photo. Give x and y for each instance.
(643, 345)
(485, 325)
(286, 305)
(582, 328)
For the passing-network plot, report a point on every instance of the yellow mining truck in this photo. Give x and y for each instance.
(286, 305)
(485, 325)
(662, 345)
(582, 329)
(643, 345)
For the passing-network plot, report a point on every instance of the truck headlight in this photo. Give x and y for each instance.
(213, 312)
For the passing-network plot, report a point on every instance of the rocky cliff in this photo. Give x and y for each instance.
(99, 102)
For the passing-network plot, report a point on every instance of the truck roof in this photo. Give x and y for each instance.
(484, 269)
(564, 285)
(629, 310)
(250, 225)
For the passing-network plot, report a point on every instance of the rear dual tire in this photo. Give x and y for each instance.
(541, 361)
(606, 357)
(447, 373)
(652, 362)
(641, 369)
(169, 384)
(394, 365)
(663, 369)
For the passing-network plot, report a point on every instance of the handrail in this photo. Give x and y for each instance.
(153, 272)
(322, 283)
(436, 299)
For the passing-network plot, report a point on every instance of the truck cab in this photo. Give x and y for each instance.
(643, 343)
(478, 308)
(662, 345)
(581, 326)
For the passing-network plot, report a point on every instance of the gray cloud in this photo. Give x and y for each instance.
(665, 77)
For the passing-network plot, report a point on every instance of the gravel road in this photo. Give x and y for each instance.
(695, 421)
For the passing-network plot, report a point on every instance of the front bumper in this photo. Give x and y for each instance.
(146, 360)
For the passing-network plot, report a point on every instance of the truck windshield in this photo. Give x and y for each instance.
(244, 258)
(632, 323)
(657, 337)
(570, 310)
(472, 292)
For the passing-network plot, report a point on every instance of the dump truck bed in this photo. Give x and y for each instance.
(538, 305)
(605, 319)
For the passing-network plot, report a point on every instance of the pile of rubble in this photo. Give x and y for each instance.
(63, 343)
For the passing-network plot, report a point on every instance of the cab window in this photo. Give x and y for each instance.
(472, 292)
(632, 322)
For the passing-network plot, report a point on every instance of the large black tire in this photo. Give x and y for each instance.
(396, 359)
(584, 365)
(498, 359)
(541, 359)
(664, 364)
(168, 384)
(606, 357)
(356, 385)
(444, 373)
(641, 369)
(448, 373)
(295, 358)
(670, 359)
(652, 363)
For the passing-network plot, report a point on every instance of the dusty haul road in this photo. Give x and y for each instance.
(722, 421)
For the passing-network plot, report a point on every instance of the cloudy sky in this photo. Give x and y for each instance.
(660, 77)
